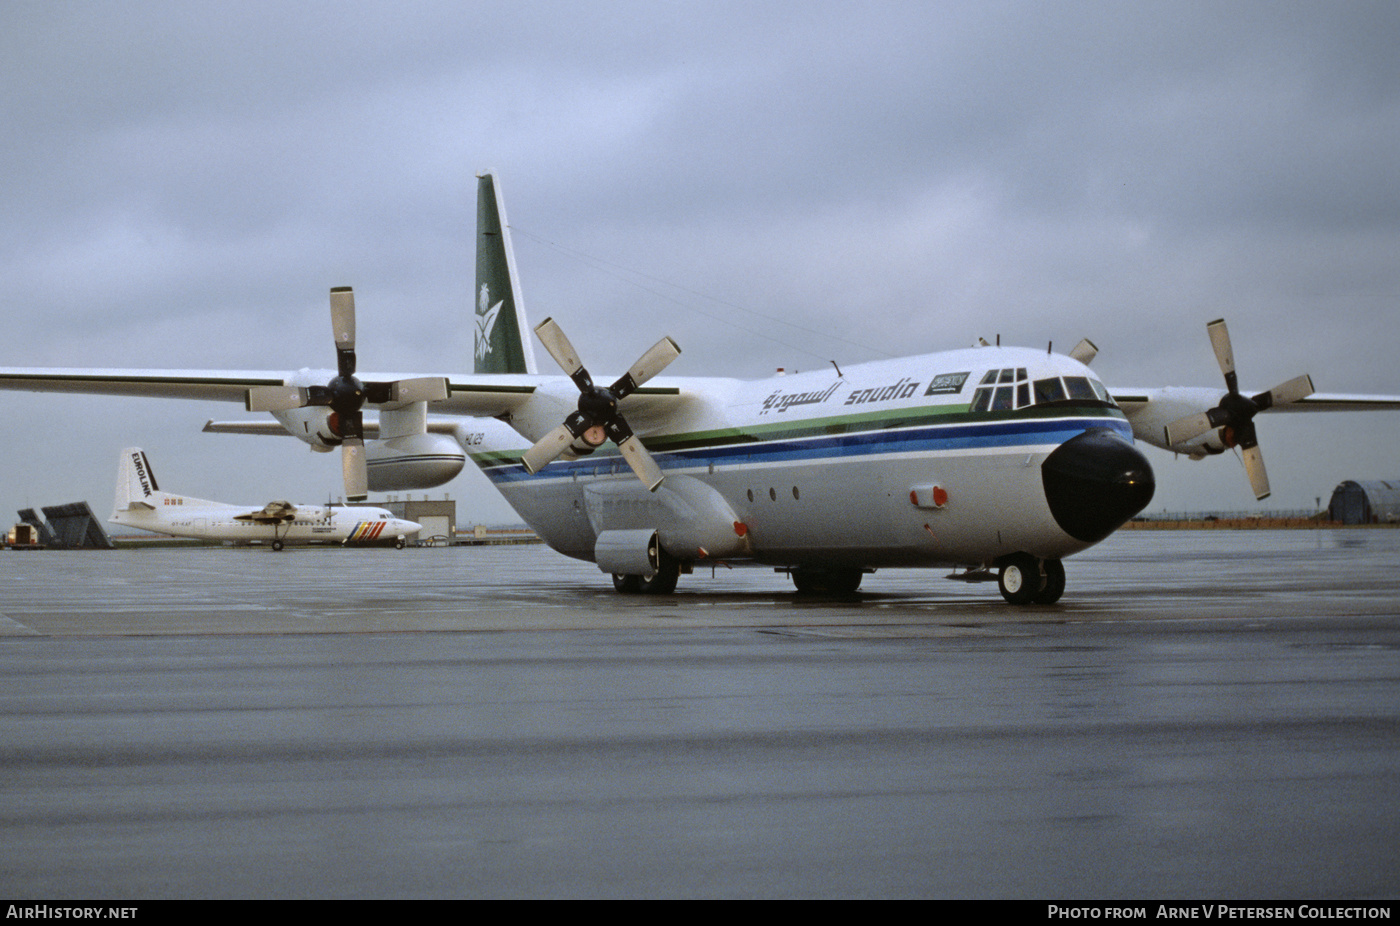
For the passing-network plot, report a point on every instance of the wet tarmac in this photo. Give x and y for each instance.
(1205, 715)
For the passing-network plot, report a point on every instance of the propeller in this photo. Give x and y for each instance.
(346, 396)
(1235, 413)
(597, 418)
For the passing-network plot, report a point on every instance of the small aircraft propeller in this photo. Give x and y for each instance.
(1235, 413)
(346, 396)
(597, 418)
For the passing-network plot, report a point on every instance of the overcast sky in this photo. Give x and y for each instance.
(771, 184)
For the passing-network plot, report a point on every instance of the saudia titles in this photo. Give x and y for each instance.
(943, 384)
(900, 390)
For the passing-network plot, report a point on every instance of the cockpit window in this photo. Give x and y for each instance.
(1004, 390)
(1049, 390)
(1079, 387)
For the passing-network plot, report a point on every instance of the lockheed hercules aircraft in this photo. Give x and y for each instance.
(997, 462)
(141, 503)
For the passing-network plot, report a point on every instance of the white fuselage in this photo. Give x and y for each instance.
(910, 462)
(181, 516)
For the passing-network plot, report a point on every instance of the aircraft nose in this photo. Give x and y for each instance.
(1094, 482)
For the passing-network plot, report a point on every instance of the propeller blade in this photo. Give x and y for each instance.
(1296, 389)
(1185, 429)
(343, 317)
(352, 464)
(656, 359)
(343, 327)
(546, 450)
(597, 418)
(641, 462)
(1220, 340)
(276, 398)
(554, 341)
(1085, 352)
(419, 389)
(1254, 466)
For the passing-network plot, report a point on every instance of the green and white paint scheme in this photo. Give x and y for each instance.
(998, 462)
(501, 346)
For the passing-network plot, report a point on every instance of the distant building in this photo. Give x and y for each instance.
(68, 527)
(1373, 502)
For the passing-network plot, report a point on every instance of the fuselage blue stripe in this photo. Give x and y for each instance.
(926, 439)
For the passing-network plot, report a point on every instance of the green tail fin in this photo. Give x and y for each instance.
(502, 343)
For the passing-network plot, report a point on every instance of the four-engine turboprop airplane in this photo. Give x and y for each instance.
(141, 503)
(996, 461)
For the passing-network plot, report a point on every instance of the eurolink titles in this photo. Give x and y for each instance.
(1218, 912)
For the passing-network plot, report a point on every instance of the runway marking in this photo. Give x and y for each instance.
(9, 627)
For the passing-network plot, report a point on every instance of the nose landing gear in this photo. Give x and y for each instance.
(1024, 579)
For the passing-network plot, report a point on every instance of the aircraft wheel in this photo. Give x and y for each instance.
(276, 544)
(810, 581)
(399, 544)
(1020, 580)
(661, 582)
(1054, 582)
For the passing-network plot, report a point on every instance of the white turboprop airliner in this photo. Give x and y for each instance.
(996, 461)
(141, 503)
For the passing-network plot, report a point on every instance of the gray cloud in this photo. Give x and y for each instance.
(826, 181)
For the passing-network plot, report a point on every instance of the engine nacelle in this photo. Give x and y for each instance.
(692, 520)
(312, 425)
(416, 461)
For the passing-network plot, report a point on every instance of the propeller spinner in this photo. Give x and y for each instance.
(597, 418)
(1234, 416)
(346, 396)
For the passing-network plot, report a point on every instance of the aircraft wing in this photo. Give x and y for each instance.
(209, 385)
(271, 513)
(480, 395)
(477, 395)
(275, 428)
(1132, 400)
(1152, 411)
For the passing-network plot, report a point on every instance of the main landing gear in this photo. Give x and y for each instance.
(661, 582)
(1024, 579)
